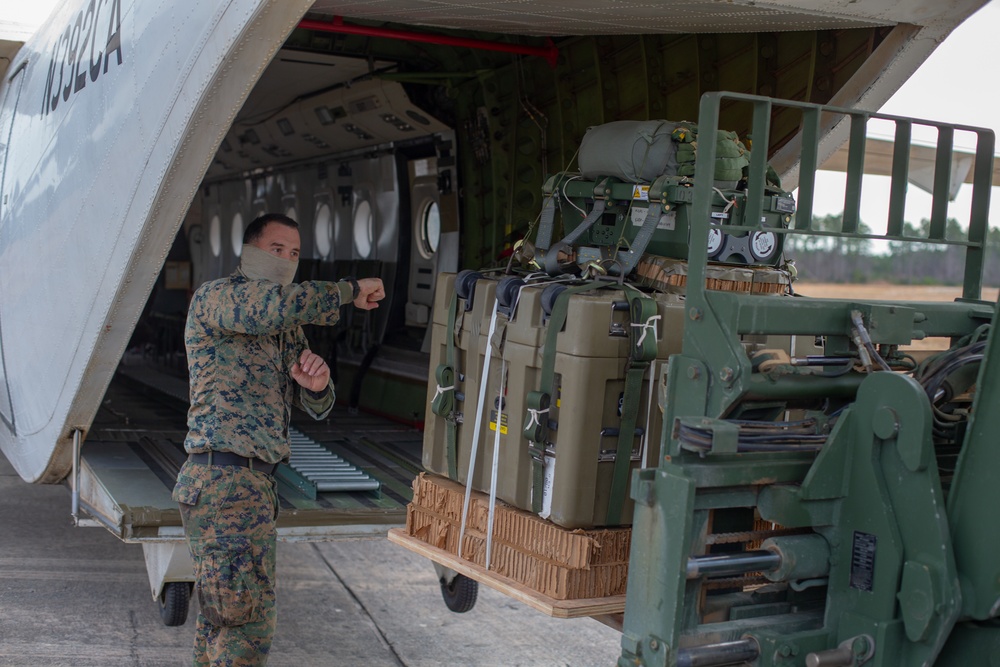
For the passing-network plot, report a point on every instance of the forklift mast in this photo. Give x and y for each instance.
(830, 507)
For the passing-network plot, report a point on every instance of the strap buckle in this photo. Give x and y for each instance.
(537, 452)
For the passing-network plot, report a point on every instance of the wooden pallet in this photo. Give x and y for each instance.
(543, 603)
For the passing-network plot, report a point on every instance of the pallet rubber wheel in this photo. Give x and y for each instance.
(174, 602)
(460, 595)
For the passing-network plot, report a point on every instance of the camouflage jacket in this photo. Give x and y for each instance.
(242, 338)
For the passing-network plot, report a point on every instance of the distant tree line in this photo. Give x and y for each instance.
(852, 260)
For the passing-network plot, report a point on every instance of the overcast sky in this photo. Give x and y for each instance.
(955, 85)
(29, 12)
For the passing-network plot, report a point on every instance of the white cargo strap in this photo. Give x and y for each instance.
(651, 402)
(491, 514)
(496, 465)
(478, 423)
(479, 417)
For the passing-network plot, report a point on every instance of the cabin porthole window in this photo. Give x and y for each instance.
(428, 230)
(236, 234)
(323, 231)
(215, 236)
(363, 229)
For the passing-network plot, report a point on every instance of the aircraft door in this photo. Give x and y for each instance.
(425, 214)
(7, 112)
(433, 213)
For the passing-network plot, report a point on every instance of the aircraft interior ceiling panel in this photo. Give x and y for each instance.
(97, 192)
(590, 17)
(366, 114)
(293, 73)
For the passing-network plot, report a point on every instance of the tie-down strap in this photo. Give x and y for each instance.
(642, 350)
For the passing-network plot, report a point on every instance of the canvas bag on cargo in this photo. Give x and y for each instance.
(632, 150)
(641, 151)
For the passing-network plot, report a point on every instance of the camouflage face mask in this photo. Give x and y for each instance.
(257, 264)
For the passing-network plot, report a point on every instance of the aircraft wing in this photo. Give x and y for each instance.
(878, 161)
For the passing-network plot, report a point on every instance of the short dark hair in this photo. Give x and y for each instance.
(256, 228)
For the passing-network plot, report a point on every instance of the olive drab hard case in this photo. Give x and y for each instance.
(584, 416)
(544, 387)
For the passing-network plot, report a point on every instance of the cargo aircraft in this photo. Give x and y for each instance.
(408, 138)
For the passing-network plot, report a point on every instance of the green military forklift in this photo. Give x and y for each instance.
(830, 507)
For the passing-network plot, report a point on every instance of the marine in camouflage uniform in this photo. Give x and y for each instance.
(243, 338)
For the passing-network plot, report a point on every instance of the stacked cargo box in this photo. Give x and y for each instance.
(480, 412)
(563, 553)
(558, 563)
(590, 354)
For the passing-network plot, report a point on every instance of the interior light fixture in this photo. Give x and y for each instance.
(324, 115)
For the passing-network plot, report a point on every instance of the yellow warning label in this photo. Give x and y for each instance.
(641, 192)
(503, 422)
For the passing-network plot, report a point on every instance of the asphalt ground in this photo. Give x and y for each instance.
(80, 597)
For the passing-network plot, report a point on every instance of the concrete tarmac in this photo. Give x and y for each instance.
(80, 597)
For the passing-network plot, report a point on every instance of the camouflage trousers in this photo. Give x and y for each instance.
(229, 514)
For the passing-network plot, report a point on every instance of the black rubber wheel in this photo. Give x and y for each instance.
(549, 295)
(508, 289)
(460, 595)
(174, 602)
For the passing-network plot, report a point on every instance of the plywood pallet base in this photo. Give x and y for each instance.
(543, 603)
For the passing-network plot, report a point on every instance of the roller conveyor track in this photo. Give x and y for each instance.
(324, 469)
(141, 425)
